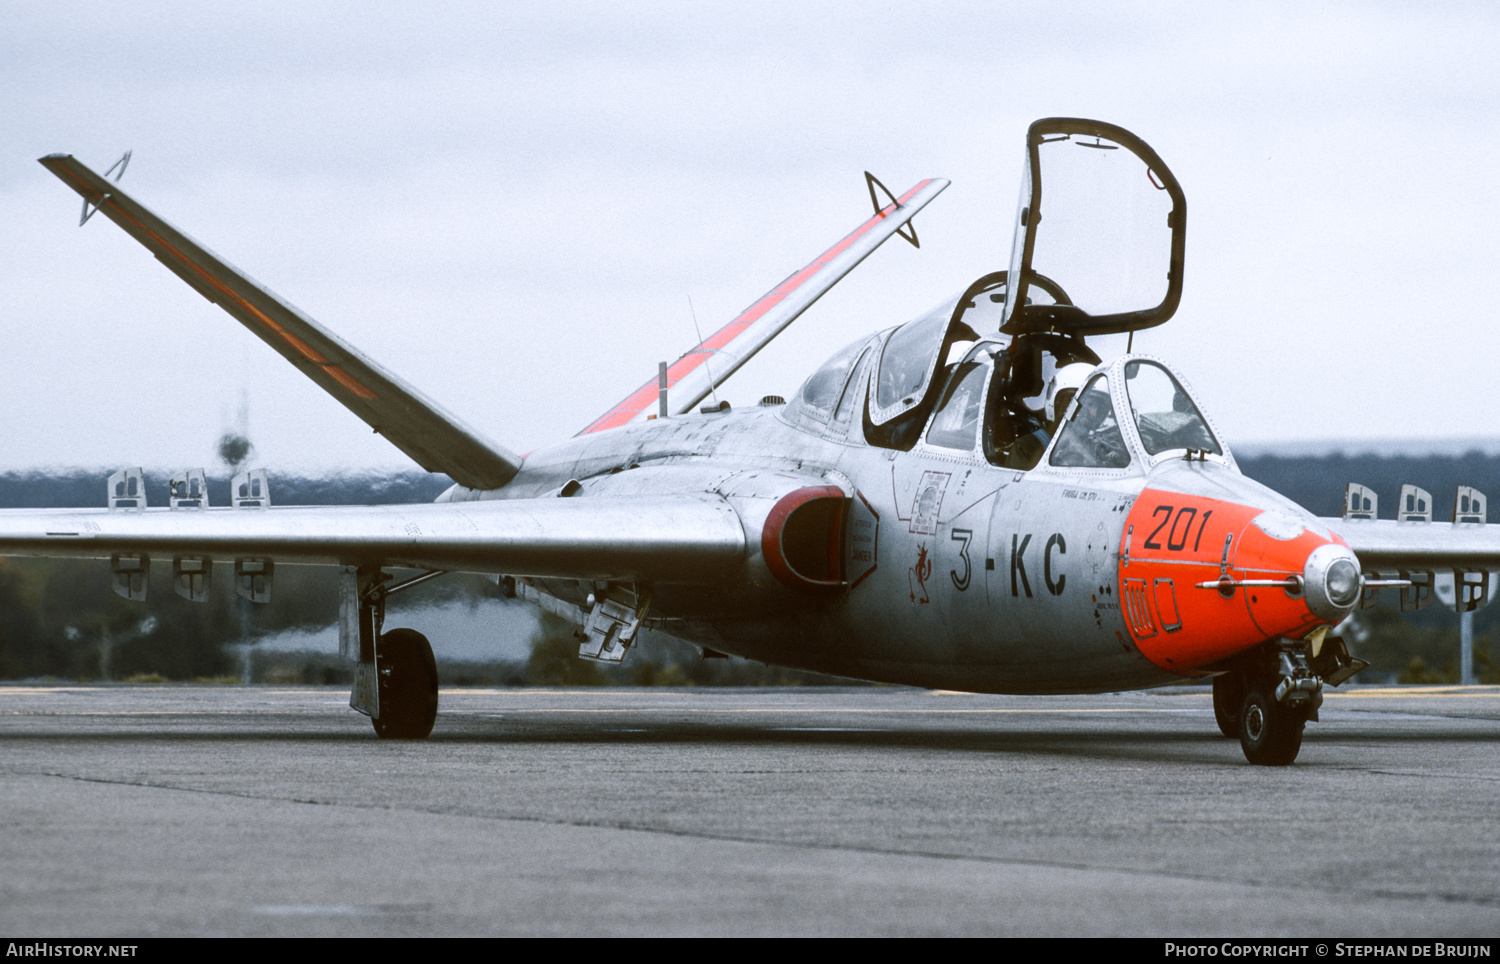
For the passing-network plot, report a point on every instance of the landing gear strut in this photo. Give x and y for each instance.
(395, 680)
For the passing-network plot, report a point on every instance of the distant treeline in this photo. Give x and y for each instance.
(1317, 482)
(59, 618)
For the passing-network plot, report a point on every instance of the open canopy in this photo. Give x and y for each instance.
(1101, 219)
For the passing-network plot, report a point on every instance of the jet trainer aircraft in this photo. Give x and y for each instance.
(972, 500)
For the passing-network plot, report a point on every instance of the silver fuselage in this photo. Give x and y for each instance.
(1005, 581)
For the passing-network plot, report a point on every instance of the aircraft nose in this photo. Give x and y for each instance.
(1330, 580)
(1204, 579)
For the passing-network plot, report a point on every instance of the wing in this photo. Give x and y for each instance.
(1388, 546)
(676, 539)
(435, 439)
(706, 366)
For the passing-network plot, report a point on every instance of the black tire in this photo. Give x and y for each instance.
(1270, 732)
(407, 676)
(1229, 699)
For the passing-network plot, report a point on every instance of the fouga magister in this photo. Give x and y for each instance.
(973, 500)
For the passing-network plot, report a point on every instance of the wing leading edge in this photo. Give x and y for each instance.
(681, 539)
(437, 440)
(696, 373)
(1388, 546)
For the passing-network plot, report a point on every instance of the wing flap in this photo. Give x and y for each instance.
(437, 440)
(696, 373)
(678, 539)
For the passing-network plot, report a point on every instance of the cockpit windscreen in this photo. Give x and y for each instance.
(1091, 438)
(1165, 416)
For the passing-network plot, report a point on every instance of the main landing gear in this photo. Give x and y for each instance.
(406, 673)
(1269, 697)
(1229, 696)
(395, 681)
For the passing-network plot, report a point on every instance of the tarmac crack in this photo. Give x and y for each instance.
(993, 860)
(1386, 772)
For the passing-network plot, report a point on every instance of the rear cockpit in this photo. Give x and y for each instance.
(981, 394)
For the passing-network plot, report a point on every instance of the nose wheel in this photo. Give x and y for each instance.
(1270, 730)
(1268, 696)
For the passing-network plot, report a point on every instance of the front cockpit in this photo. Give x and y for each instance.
(1162, 420)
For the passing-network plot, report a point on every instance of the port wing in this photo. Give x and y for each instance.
(434, 438)
(651, 539)
(708, 364)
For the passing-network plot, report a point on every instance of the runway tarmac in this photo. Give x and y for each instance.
(255, 810)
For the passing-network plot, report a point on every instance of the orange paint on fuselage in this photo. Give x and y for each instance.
(1175, 541)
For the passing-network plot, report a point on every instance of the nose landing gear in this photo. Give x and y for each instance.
(1270, 729)
(1281, 693)
(1269, 696)
(1246, 708)
(1229, 697)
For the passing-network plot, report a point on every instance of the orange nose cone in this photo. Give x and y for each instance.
(1174, 542)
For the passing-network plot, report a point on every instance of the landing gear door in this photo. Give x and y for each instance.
(1102, 219)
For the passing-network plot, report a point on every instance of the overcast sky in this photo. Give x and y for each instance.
(510, 206)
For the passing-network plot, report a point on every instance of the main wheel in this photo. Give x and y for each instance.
(1270, 731)
(407, 676)
(1229, 697)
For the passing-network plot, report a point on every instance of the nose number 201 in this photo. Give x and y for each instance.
(1179, 526)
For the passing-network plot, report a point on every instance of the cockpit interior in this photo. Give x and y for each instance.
(1004, 398)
